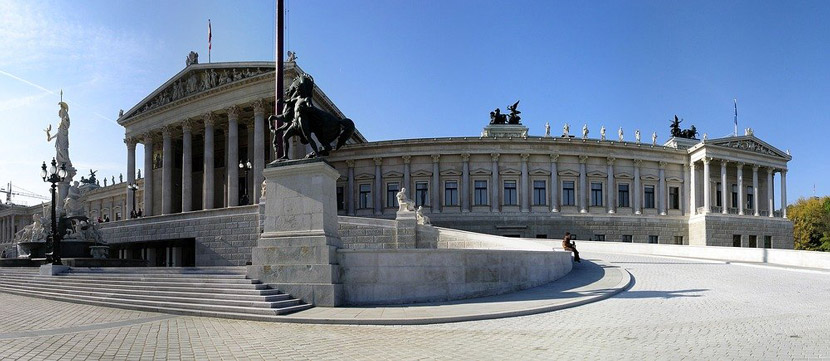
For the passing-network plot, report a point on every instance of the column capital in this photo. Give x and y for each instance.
(740, 164)
(166, 131)
(782, 171)
(554, 157)
(755, 167)
(610, 160)
(706, 160)
(583, 158)
(148, 137)
(378, 160)
(692, 165)
(524, 156)
(406, 159)
(187, 126)
(130, 141)
(350, 163)
(770, 170)
(233, 112)
(494, 157)
(662, 164)
(465, 157)
(259, 107)
(436, 158)
(209, 119)
(638, 162)
(723, 163)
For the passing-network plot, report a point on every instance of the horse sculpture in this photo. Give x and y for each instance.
(301, 119)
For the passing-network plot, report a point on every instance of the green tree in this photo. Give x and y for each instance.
(811, 223)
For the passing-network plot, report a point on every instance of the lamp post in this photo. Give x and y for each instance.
(245, 167)
(133, 188)
(54, 175)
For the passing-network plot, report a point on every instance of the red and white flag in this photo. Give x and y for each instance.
(210, 36)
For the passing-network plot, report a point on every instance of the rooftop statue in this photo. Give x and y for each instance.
(91, 179)
(654, 138)
(565, 130)
(620, 133)
(637, 136)
(496, 117)
(585, 131)
(292, 57)
(301, 119)
(690, 133)
(192, 58)
(514, 114)
(602, 132)
(547, 129)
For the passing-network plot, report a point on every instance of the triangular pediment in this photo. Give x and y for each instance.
(392, 174)
(421, 173)
(674, 179)
(450, 172)
(597, 173)
(196, 79)
(364, 176)
(569, 173)
(481, 171)
(539, 171)
(649, 177)
(510, 172)
(623, 175)
(748, 143)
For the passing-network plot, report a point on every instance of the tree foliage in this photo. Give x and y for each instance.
(811, 223)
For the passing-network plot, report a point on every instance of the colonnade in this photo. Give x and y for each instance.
(209, 123)
(9, 224)
(727, 166)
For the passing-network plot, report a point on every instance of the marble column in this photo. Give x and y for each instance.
(436, 183)
(167, 171)
(740, 186)
(784, 193)
(249, 158)
(465, 182)
(687, 199)
(350, 190)
(207, 184)
(637, 198)
(130, 142)
(755, 200)
(259, 148)
(724, 195)
(707, 193)
(406, 174)
(378, 198)
(148, 174)
(554, 183)
(611, 207)
(494, 167)
(770, 186)
(583, 185)
(232, 149)
(187, 166)
(661, 189)
(524, 196)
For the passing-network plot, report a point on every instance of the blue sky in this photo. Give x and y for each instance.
(411, 69)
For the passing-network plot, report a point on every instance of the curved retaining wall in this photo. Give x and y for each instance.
(397, 276)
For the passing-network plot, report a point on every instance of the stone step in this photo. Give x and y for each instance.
(235, 270)
(160, 278)
(172, 287)
(260, 303)
(195, 282)
(148, 305)
(268, 295)
(173, 310)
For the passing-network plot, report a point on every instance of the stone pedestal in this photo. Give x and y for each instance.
(405, 236)
(297, 251)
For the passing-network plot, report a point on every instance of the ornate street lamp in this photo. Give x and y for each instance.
(246, 166)
(133, 188)
(54, 175)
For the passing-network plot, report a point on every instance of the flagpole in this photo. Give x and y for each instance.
(279, 67)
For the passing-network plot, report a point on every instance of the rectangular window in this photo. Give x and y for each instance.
(678, 240)
(599, 237)
(392, 195)
(622, 195)
(719, 196)
(421, 194)
(652, 239)
(596, 194)
(674, 197)
(648, 197)
(341, 199)
(767, 241)
(753, 241)
(539, 193)
(734, 196)
(750, 198)
(568, 198)
(626, 238)
(510, 197)
(736, 240)
(480, 198)
(365, 198)
(451, 193)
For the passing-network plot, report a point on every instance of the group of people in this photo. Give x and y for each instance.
(136, 214)
(106, 218)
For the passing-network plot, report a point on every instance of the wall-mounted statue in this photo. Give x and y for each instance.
(301, 119)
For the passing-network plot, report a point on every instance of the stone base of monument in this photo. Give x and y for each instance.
(297, 251)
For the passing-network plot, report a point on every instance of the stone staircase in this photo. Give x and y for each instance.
(208, 291)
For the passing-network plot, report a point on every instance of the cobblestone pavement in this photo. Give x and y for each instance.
(677, 309)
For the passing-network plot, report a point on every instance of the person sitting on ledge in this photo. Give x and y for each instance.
(570, 246)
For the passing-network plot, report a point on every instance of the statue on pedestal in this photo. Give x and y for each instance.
(565, 130)
(496, 117)
(514, 114)
(61, 139)
(653, 138)
(547, 129)
(585, 131)
(602, 132)
(421, 218)
(620, 134)
(637, 136)
(404, 203)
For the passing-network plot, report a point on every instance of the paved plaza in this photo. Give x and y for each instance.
(676, 309)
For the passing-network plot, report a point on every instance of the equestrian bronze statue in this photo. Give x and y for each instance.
(301, 119)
